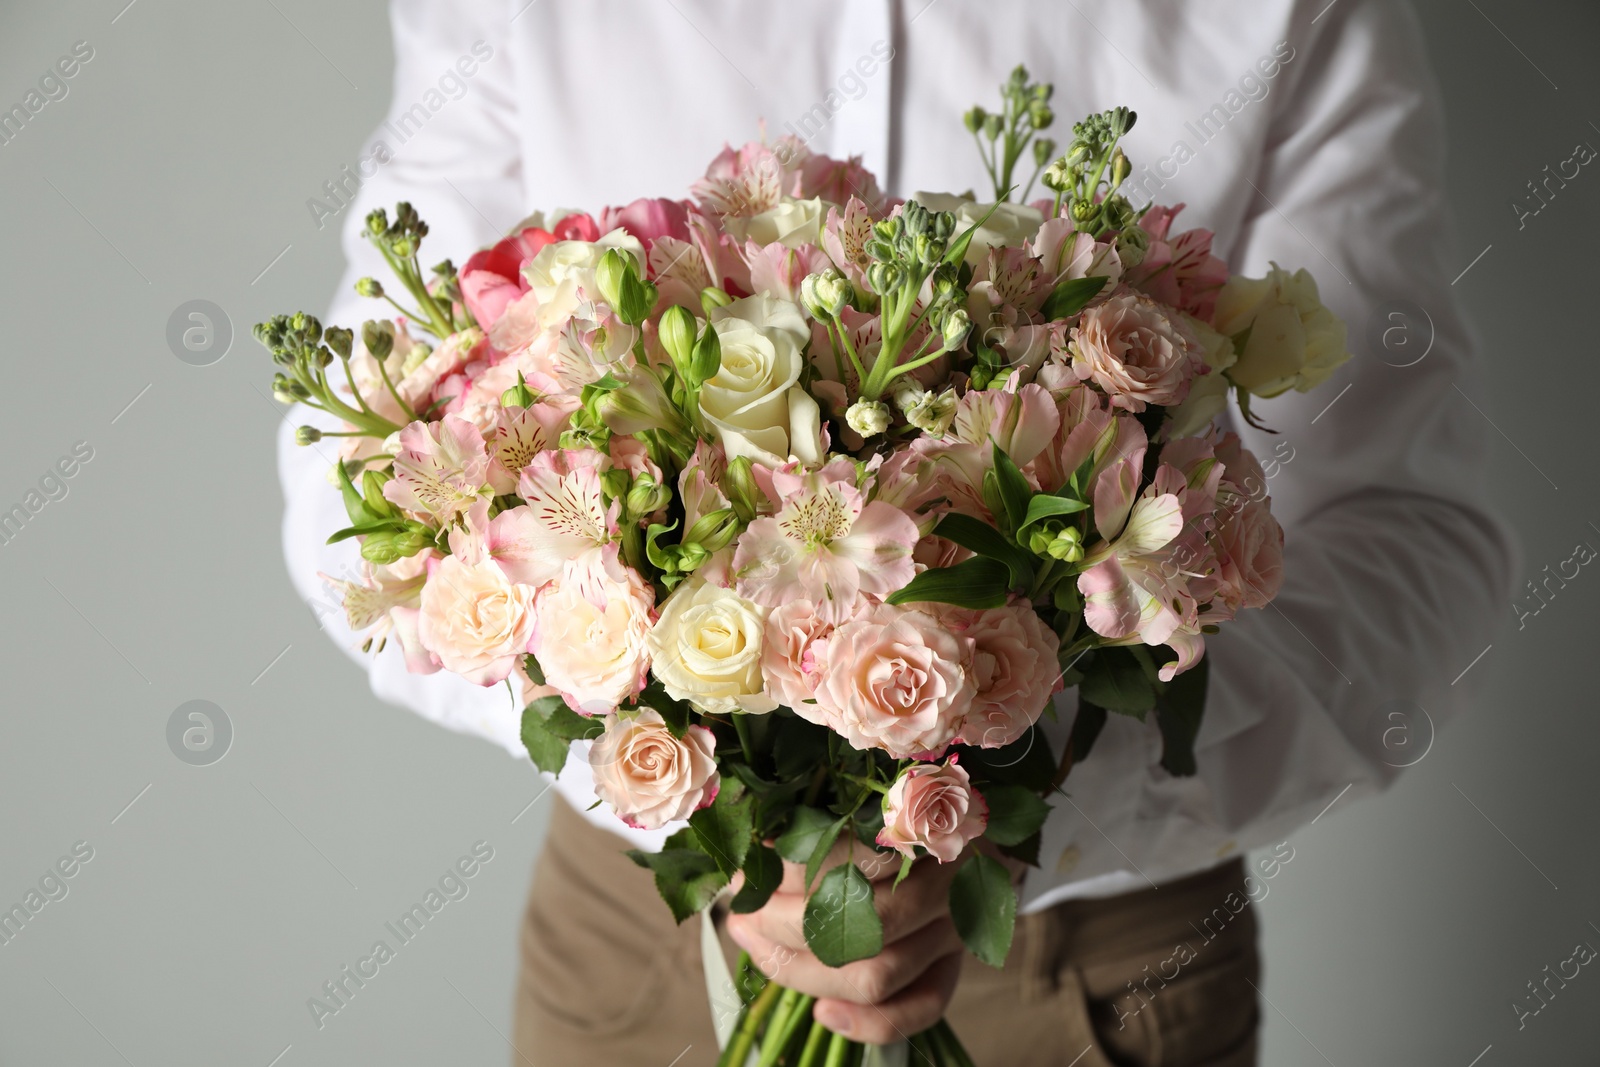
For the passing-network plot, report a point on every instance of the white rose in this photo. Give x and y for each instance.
(649, 777)
(1208, 393)
(476, 620)
(754, 403)
(791, 223)
(594, 655)
(706, 648)
(1010, 225)
(1295, 342)
(561, 276)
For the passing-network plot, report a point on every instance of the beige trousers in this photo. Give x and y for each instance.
(1157, 977)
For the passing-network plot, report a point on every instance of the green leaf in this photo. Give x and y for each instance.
(355, 505)
(687, 879)
(1090, 720)
(725, 829)
(1048, 506)
(1116, 682)
(1071, 296)
(548, 752)
(985, 540)
(1015, 813)
(1027, 761)
(819, 852)
(841, 923)
(984, 908)
(973, 583)
(565, 723)
(1026, 850)
(806, 827)
(362, 529)
(906, 863)
(1015, 492)
(763, 872)
(530, 666)
(1179, 711)
(957, 251)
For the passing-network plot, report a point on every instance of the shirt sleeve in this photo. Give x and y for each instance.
(1395, 568)
(450, 145)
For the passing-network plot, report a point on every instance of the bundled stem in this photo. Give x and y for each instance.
(778, 1028)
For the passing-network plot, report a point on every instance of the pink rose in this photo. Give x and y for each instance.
(894, 679)
(594, 654)
(492, 278)
(1249, 541)
(1136, 352)
(795, 633)
(649, 777)
(649, 219)
(1013, 666)
(935, 806)
(475, 619)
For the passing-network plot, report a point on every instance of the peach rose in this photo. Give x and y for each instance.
(594, 653)
(789, 656)
(1134, 350)
(475, 619)
(1013, 666)
(894, 679)
(935, 806)
(649, 777)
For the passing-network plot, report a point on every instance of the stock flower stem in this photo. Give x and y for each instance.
(384, 373)
(838, 1049)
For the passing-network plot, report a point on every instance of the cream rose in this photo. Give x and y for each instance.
(561, 276)
(1294, 343)
(649, 777)
(934, 806)
(475, 619)
(754, 403)
(1010, 225)
(1208, 393)
(791, 223)
(706, 648)
(895, 679)
(1134, 350)
(594, 654)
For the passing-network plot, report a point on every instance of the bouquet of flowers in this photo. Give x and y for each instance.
(796, 504)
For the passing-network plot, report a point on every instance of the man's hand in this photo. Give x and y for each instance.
(902, 990)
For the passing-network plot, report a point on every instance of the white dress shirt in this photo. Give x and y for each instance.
(1301, 132)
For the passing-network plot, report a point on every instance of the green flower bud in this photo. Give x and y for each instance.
(378, 336)
(712, 298)
(1132, 245)
(1084, 212)
(369, 287)
(307, 435)
(1043, 149)
(646, 497)
(372, 483)
(715, 530)
(1118, 212)
(691, 555)
(1066, 546)
(993, 127)
(1040, 115)
(518, 396)
(884, 278)
(377, 222)
(739, 484)
(932, 413)
(1120, 168)
(956, 327)
(706, 360)
(338, 338)
(677, 332)
(1040, 538)
(1057, 176)
(614, 483)
(973, 119)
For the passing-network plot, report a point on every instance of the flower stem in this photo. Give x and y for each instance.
(744, 1038)
(793, 1009)
(811, 1054)
(838, 1049)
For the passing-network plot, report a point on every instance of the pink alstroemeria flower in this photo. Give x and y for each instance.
(441, 468)
(826, 544)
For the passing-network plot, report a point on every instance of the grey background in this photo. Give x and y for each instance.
(177, 168)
